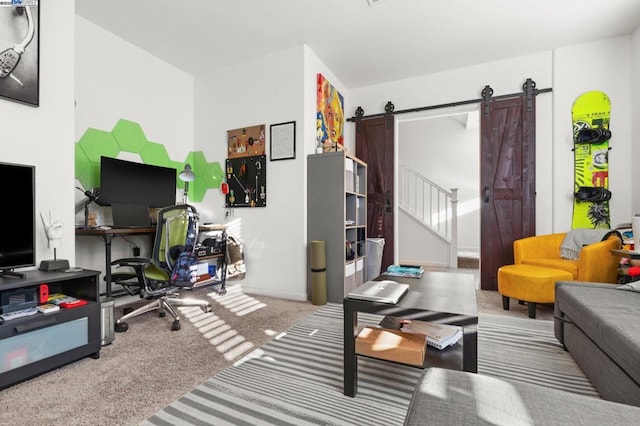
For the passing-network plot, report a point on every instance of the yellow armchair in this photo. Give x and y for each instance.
(538, 265)
(595, 262)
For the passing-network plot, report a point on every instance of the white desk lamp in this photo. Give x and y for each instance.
(186, 176)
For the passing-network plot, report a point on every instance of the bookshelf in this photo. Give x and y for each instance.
(337, 214)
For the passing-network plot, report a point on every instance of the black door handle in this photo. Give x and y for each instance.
(486, 194)
(388, 206)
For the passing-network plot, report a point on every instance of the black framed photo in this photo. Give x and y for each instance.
(20, 51)
(283, 141)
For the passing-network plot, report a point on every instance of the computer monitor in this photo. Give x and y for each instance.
(128, 182)
(17, 217)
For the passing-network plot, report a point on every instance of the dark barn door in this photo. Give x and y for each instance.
(507, 182)
(374, 146)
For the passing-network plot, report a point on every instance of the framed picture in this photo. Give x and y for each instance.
(283, 141)
(19, 51)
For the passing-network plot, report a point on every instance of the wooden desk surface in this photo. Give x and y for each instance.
(626, 253)
(97, 232)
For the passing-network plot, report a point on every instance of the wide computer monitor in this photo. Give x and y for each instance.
(128, 182)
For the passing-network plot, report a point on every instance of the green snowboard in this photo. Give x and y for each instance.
(590, 116)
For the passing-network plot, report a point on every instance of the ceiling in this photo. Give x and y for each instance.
(361, 44)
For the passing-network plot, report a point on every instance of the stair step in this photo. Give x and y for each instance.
(466, 262)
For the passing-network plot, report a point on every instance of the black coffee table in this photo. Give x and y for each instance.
(443, 297)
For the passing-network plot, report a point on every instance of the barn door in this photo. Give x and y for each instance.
(507, 181)
(374, 146)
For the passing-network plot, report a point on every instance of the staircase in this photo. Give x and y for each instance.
(436, 210)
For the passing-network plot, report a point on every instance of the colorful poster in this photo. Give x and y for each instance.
(330, 115)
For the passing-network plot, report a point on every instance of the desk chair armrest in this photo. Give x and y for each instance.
(132, 261)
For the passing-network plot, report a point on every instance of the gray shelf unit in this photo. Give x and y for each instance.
(337, 196)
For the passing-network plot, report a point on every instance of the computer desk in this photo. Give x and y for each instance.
(107, 235)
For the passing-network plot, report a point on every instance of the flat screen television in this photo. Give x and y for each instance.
(128, 182)
(17, 244)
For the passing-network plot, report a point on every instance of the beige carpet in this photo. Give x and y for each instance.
(150, 366)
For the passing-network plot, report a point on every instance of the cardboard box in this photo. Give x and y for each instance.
(392, 345)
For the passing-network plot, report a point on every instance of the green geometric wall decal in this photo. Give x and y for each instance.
(128, 136)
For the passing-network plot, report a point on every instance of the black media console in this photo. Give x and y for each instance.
(34, 344)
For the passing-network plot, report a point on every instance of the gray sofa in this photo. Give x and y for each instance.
(599, 325)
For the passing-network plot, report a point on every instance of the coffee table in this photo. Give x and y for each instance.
(444, 297)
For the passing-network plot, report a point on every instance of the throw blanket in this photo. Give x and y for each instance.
(577, 238)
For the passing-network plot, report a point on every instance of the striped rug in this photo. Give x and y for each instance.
(296, 379)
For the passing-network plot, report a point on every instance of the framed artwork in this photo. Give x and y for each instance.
(283, 141)
(246, 141)
(19, 51)
(330, 115)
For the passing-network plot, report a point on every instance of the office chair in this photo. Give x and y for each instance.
(176, 232)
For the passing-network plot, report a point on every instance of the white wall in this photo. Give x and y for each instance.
(114, 79)
(272, 89)
(266, 90)
(635, 113)
(574, 72)
(43, 136)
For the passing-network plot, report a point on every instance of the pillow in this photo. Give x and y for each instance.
(633, 286)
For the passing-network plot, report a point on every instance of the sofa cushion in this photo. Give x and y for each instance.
(570, 266)
(609, 317)
(447, 397)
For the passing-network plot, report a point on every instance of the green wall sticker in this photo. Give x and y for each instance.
(128, 136)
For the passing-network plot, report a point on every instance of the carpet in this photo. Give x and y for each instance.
(296, 379)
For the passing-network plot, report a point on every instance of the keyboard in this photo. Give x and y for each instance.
(19, 314)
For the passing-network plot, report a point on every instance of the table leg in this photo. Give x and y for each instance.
(350, 358)
(107, 258)
(470, 349)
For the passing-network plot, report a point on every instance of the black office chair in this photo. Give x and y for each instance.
(176, 233)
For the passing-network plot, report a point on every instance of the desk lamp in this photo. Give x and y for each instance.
(92, 196)
(186, 176)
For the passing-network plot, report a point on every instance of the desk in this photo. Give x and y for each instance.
(629, 254)
(107, 235)
(443, 297)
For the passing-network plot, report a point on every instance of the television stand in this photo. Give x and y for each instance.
(9, 273)
(42, 342)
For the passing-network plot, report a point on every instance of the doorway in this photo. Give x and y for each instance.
(443, 146)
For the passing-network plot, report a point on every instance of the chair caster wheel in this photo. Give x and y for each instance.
(162, 314)
(175, 325)
(121, 327)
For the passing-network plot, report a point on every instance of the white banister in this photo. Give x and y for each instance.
(431, 205)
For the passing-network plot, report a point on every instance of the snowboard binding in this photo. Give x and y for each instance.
(587, 135)
(593, 194)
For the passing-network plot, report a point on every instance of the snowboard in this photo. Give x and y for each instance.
(590, 115)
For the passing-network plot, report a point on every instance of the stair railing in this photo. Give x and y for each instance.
(432, 206)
